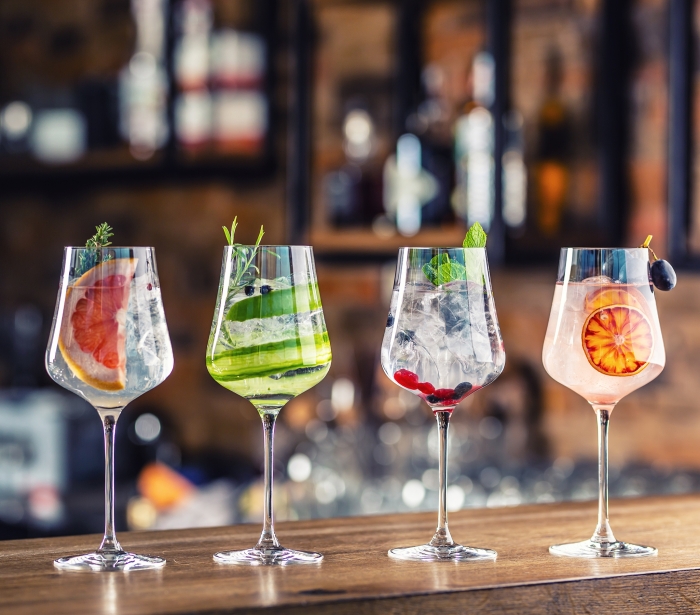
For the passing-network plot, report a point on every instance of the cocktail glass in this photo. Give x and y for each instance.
(109, 344)
(268, 343)
(603, 342)
(442, 343)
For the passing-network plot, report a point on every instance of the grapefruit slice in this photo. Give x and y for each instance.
(93, 337)
(615, 295)
(618, 340)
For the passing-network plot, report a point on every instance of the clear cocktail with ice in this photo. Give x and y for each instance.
(442, 342)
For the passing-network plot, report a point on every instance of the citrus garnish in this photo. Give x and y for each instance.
(92, 338)
(618, 340)
(622, 295)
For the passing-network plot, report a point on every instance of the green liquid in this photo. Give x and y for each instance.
(272, 347)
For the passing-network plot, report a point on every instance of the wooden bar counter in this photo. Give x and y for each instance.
(357, 577)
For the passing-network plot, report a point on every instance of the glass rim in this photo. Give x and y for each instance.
(110, 248)
(599, 249)
(438, 248)
(263, 245)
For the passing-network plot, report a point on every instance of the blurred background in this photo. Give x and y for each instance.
(357, 127)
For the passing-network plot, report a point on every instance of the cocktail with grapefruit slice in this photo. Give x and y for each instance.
(109, 344)
(603, 341)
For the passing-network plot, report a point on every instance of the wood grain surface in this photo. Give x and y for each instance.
(357, 577)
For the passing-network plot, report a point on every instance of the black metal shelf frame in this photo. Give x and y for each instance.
(680, 133)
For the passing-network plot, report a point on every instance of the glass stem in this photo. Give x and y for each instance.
(442, 536)
(603, 535)
(110, 544)
(268, 540)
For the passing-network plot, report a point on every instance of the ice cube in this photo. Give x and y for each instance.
(481, 342)
(459, 339)
(409, 353)
(148, 349)
(597, 280)
(453, 310)
(480, 321)
(575, 297)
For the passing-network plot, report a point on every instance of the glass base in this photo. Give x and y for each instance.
(591, 549)
(455, 553)
(267, 557)
(109, 562)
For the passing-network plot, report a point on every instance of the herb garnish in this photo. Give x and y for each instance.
(244, 256)
(442, 269)
(88, 258)
(475, 237)
(101, 238)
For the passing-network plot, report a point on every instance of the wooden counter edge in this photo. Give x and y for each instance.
(655, 593)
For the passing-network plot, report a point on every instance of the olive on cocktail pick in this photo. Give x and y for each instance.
(662, 274)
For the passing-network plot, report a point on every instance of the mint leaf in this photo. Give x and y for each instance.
(474, 266)
(475, 237)
(442, 269)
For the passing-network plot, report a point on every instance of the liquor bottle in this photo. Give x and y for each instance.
(552, 173)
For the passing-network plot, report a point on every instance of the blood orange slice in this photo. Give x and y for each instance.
(92, 338)
(618, 340)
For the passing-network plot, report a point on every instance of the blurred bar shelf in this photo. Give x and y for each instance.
(358, 577)
(359, 241)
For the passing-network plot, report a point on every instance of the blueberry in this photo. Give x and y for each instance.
(249, 290)
(449, 318)
(462, 389)
(404, 337)
(265, 289)
(663, 275)
(433, 399)
(390, 321)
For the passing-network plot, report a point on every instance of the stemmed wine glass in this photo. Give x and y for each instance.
(268, 344)
(109, 343)
(442, 342)
(603, 342)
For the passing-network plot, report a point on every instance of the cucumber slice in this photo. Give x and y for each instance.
(294, 300)
(268, 359)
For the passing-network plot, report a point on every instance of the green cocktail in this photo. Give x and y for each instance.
(268, 343)
(271, 344)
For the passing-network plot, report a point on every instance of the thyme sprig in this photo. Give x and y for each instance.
(88, 258)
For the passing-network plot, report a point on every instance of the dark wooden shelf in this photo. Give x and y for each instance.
(360, 241)
(358, 577)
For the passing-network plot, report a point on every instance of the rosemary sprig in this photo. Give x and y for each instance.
(243, 258)
(231, 235)
(101, 238)
(89, 258)
(244, 255)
